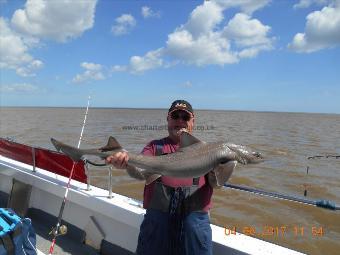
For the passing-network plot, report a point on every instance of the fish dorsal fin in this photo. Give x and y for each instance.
(112, 144)
(187, 140)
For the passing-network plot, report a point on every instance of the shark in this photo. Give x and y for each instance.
(194, 158)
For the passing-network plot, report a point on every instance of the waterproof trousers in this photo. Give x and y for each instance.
(193, 236)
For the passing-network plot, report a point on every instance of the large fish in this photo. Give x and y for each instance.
(194, 158)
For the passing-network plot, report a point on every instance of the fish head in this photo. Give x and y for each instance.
(223, 153)
(255, 157)
(242, 154)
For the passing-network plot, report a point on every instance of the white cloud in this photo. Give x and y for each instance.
(203, 19)
(250, 35)
(118, 68)
(138, 64)
(306, 3)
(205, 40)
(199, 41)
(202, 40)
(207, 49)
(59, 20)
(92, 72)
(14, 51)
(91, 66)
(124, 24)
(18, 88)
(187, 84)
(247, 6)
(26, 71)
(148, 13)
(322, 30)
(151, 60)
(246, 31)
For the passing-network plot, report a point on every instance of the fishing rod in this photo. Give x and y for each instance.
(61, 229)
(327, 204)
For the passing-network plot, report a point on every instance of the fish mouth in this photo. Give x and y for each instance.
(257, 155)
(178, 128)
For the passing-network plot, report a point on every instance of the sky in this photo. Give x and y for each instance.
(253, 55)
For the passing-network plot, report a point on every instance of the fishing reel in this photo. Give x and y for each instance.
(62, 230)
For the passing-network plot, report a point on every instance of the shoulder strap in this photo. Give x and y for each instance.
(196, 181)
(159, 148)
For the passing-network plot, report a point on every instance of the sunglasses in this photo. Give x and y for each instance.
(177, 115)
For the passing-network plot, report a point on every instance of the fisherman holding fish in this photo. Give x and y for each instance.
(177, 209)
(179, 182)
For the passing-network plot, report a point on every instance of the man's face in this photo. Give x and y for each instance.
(178, 120)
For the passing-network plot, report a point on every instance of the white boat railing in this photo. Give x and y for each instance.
(88, 173)
(90, 176)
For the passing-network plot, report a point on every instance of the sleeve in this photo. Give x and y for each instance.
(149, 149)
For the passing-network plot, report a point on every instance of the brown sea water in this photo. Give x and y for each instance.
(285, 139)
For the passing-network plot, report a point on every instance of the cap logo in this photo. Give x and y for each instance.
(181, 105)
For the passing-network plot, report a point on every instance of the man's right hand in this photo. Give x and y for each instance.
(118, 160)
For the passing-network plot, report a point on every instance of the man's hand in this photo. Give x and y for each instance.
(118, 160)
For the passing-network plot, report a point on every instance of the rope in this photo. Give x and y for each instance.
(176, 222)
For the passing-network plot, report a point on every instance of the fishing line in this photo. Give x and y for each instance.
(328, 156)
(327, 204)
(61, 230)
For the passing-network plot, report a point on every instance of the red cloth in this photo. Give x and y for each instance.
(169, 147)
(51, 161)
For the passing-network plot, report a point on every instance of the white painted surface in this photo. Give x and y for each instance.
(40, 253)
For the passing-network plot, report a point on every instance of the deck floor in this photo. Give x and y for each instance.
(68, 244)
(64, 244)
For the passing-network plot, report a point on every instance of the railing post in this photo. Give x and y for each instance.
(88, 176)
(33, 157)
(110, 182)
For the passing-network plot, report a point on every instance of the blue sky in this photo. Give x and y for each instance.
(257, 55)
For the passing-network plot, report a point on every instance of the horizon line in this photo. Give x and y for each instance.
(159, 108)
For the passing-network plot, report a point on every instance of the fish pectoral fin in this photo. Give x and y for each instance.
(224, 171)
(187, 139)
(149, 178)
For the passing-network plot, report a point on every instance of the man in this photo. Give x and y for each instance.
(176, 219)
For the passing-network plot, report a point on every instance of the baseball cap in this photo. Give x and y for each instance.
(181, 105)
